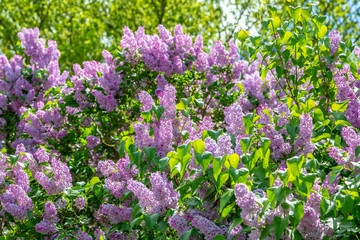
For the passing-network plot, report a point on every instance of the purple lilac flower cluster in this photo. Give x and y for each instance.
(160, 198)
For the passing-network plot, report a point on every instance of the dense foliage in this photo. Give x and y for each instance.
(164, 140)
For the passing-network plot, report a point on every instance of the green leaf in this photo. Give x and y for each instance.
(322, 32)
(199, 102)
(264, 73)
(294, 167)
(121, 148)
(217, 166)
(227, 210)
(266, 160)
(234, 160)
(151, 220)
(224, 176)
(339, 107)
(280, 225)
(295, 12)
(185, 102)
(158, 111)
(239, 175)
(180, 106)
(310, 104)
(356, 164)
(279, 71)
(250, 160)
(318, 114)
(291, 129)
(31, 215)
(163, 163)
(94, 181)
(184, 164)
(321, 137)
(146, 115)
(183, 150)
(199, 146)
(266, 231)
(245, 144)
(297, 234)
(220, 237)
(335, 173)
(275, 23)
(173, 161)
(357, 151)
(13, 159)
(204, 159)
(286, 38)
(259, 172)
(342, 123)
(215, 135)
(347, 204)
(307, 182)
(204, 135)
(225, 198)
(326, 206)
(298, 209)
(186, 235)
(150, 153)
(265, 144)
(243, 35)
(255, 40)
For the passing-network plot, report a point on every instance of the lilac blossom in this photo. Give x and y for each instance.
(332, 188)
(311, 227)
(303, 142)
(92, 141)
(250, 209)
(334, 41)
(164, 192)
(111, 214)
(146, 100)
(179, 224)
(207, 227)
(80, 202)
(168, 101)
(146, 197)
(234, 119)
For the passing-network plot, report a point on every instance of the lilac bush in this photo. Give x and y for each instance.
(257, 138)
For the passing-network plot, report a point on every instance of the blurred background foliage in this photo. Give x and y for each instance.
(82, 28)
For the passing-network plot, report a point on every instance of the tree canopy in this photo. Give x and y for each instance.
(81, 26)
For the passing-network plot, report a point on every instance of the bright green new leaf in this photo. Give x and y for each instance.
(294, 167)
(217, 167)
(243, 35)
(199, 146)
(239, 175)
(225, 198)
(234, 160)
(224, 176)
(94, 181)
(339, 107)
(318, 114)
(322, 31)
(286, 38)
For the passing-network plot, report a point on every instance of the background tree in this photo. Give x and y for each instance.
(81, 26)
(342, 15)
